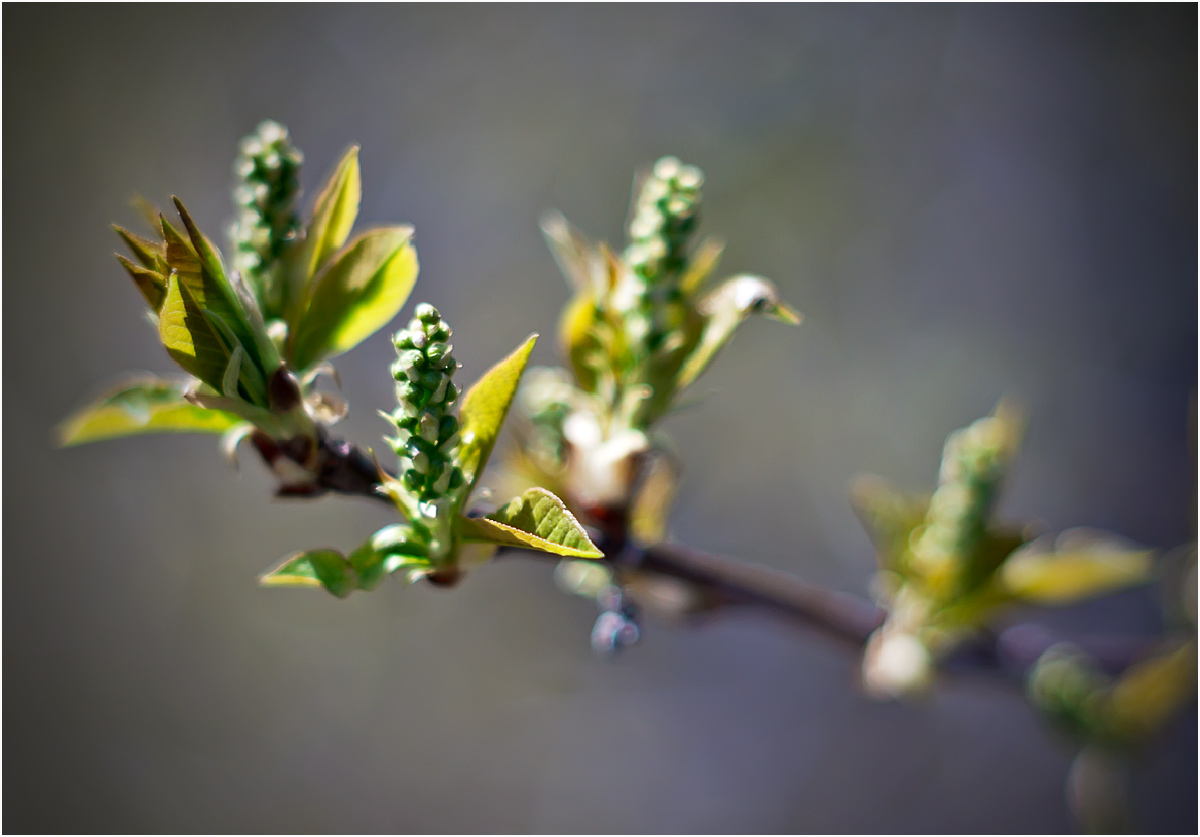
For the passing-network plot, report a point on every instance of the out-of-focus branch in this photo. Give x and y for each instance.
(724, 582)
(732, 582)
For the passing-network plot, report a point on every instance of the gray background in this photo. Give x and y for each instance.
(964, 201)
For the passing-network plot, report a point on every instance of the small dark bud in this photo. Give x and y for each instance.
(283, 391)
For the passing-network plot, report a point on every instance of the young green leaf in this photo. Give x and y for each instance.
(535, 520)
(1081, 564)
(727, 307)
(484, 408)
(141, 405)
(153, 285)
(152, 255)
(364, 287)
(236, 306)
(333, 216)
(190, 337)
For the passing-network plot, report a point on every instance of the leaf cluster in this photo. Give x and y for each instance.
(253, 349)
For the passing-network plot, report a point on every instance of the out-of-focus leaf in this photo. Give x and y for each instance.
(577, 334)
(333, 216)
(142, 405)
(582, 578)
(889, 516)
(1079, 565)
(363, 288)
(725, 308)
(575, 255)
(145, 208)
(535, 520)
(190, 337)
(483, 410)
(1150, 692)
(153, 286)
(701, 265)
(651, 506)
(326, 568)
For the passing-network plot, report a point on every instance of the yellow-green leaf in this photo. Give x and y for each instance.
(577, 334)
(484, 408)
(1150, 692)
(1080, 565)
(725, 308)
(152, 285)
(333, 216)
(363, 288)
(888, 516)
(189, 337)
(700, 266)
(651, 506)
(237, 307)
(141, 405)
(535, 520)
(152, 255)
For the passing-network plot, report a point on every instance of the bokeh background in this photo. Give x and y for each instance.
(965, 202)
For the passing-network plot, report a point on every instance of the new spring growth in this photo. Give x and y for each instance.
(267, 169)
(426, 432)
(665, 213)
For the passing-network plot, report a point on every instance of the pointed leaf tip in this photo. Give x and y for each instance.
(535, 520)
(484, 408)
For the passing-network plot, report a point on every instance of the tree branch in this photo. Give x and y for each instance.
(719, 581)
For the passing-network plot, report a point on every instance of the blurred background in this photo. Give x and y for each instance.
(965, 202)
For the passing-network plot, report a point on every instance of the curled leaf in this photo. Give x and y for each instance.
(535, 520)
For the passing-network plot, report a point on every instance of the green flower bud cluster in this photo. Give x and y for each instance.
(267, 168)
(973, 463)
(427, 433)
(664, 215)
